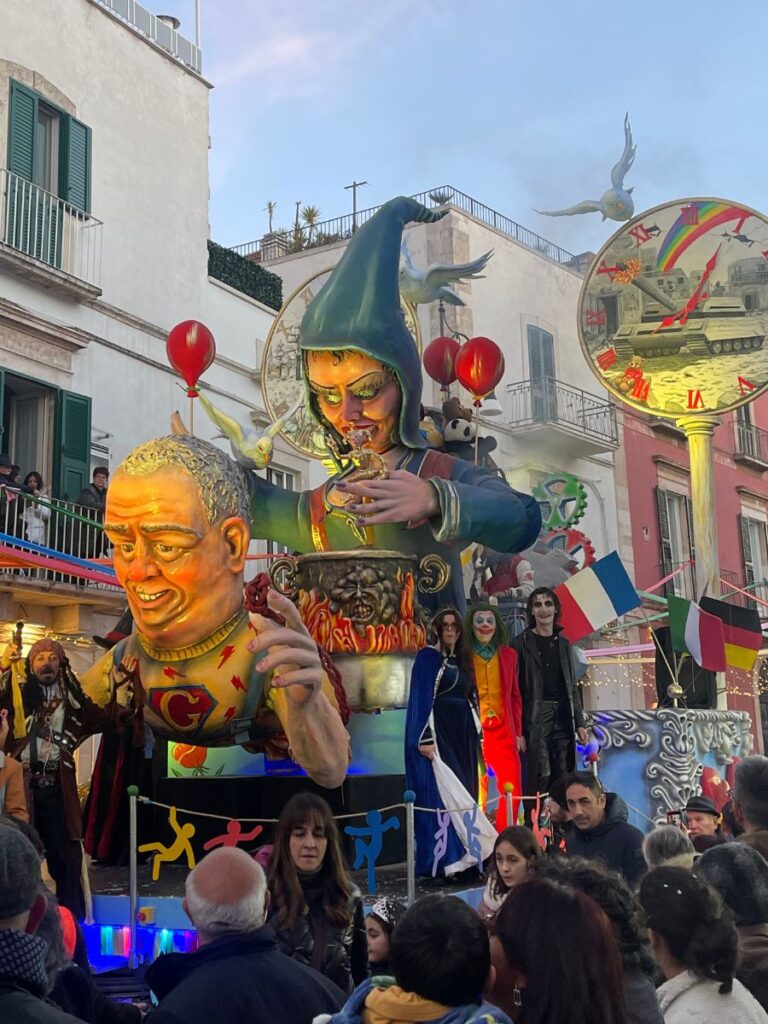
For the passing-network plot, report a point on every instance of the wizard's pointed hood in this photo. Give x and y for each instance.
(359, 307)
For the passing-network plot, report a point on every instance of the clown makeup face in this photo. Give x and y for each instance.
(483, 626)
(356, 392)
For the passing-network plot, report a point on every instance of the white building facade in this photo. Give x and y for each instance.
(103, 248)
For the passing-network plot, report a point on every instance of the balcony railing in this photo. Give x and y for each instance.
(338, 229)
(751, 443)
(54, 527)
(42, 226)
(760, 590)
(547, 400)
(156, 29)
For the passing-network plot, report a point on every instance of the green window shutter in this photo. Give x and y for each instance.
(76, 167)
(746, 550)
(21, 131)
(73, 444)
(665, 538)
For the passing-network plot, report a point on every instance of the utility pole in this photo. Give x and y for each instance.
(354, 186)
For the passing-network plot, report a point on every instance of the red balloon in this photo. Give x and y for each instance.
(439, 360)
(190, 348)
(479, 366)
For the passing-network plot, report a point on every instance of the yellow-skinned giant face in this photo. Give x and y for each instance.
(178, 555)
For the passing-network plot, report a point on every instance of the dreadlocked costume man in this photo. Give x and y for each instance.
(362, 373)
(49, 715)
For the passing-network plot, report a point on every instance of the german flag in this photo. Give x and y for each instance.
(742, 632)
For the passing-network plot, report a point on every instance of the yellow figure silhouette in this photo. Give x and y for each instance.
(179, 847)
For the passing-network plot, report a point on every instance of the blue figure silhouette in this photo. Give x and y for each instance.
(368, 853)
(441, 839)
(473, 843)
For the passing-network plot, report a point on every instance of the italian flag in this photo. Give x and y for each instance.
(697, 632)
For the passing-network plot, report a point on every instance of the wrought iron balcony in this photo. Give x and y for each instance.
(64, 526)
(587, 423)
(43, 237)
(751, 446)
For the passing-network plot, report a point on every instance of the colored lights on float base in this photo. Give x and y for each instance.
(109, 942)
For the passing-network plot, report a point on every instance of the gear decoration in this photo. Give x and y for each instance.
(562, 498)
(573, 543)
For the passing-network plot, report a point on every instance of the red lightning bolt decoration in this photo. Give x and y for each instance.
(227, 653)
(238, 683)
(229, 713)
(172, 673)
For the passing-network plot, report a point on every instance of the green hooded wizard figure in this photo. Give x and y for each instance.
(363, 377)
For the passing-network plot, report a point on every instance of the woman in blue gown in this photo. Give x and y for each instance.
(442, 714)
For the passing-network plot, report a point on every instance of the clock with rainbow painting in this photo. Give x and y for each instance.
(673, 315)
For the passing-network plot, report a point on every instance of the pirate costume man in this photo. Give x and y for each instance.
(49, 716)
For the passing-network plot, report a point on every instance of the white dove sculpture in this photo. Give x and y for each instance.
(430, 285)
(250, 450)
(616, 203)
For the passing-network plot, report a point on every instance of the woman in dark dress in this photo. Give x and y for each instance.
(442, 719)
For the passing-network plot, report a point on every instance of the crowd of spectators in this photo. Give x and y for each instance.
(605, 926)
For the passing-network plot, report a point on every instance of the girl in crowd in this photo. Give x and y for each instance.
(696, 947)
(315, 910)
(35, 516)
(514, 853)
(442, 721)
(380, 923)
(556, 957)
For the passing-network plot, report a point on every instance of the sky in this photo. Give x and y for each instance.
(518, 103)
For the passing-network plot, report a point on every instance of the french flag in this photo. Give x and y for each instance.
(594, 596)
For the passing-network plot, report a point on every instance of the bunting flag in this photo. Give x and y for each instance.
(697, 632)
(594, 596)
(742, 632)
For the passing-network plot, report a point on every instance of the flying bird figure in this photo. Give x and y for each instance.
(430, 285)
(616, 203)
(250, 449)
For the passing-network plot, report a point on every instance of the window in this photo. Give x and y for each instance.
(676, 540)
(49, 164)
(541, 365)
(286, 479)
(754, 549)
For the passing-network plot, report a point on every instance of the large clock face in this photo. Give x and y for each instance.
(282, 381)
(673, 315)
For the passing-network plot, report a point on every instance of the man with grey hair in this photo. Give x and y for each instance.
(750, 794)
(198, 667)
(23, 978)
(239, 972)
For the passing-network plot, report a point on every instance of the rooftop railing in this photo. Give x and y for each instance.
(277, 244)
(156, 29)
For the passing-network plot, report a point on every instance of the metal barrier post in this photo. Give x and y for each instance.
(133, 886)
(410, 846)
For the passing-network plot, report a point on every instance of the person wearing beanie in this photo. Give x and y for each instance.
(694, 940)
(43, 733)
(362, 373)
(24, 981)
(740, 875)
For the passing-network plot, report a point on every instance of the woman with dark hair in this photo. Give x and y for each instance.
(556, 957)
(612, 892)
(35, 516)
(316, 910)
(442, 732)
(515, 852)
(694, 940)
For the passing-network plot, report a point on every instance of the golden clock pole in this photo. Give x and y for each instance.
(699, 430)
